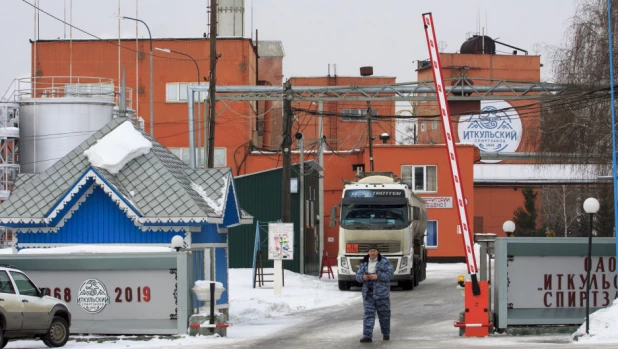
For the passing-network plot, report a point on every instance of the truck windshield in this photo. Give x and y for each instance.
(358, 216)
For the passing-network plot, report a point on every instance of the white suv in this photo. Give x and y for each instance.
(26, 312)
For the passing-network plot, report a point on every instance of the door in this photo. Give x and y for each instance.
(10, 303)
(35, 311)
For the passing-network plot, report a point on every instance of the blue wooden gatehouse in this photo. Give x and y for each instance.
(152, 198)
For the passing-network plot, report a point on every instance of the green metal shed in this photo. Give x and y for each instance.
(259, 194)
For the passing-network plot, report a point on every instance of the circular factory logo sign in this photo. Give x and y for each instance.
(496, 129)
(92, 296)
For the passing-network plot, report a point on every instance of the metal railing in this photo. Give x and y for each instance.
(66, 86)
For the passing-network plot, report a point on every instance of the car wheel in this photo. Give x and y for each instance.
(5, 341)
(58, 333)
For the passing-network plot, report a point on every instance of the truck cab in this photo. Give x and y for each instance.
(379, 209)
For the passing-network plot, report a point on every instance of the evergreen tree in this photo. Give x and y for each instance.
(525, 218)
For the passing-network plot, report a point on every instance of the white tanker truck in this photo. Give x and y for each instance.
(379, 209)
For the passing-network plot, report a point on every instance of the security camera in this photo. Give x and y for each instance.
(385, 137)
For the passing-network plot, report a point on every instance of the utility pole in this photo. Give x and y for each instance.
(301, 192)
(321, 179)
(286, 214)
(370, 136)
(213, 82)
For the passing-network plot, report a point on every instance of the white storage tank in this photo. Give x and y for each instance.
(59, 116)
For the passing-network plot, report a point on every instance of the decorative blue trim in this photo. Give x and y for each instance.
(67, 194)
(119, 194)
(231, 215)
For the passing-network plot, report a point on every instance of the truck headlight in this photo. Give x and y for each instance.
(404, 262)
(344, 262)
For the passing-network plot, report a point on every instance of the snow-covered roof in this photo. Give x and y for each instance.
(117, 148)
(150, 186)
(531, 173)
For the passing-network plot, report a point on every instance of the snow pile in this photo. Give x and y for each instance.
(603, 327)
(96, 249)
(202, 290)
(117, 148)
(216, 205)
(300, 293)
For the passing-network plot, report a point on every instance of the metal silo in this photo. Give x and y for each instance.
(57, 114)
(230, 18)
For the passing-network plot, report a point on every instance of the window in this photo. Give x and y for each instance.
(423, 127)
(6, 286)
(434, 124)
(358, 114)
(24, 285)
(421, 178)
(177, 92)
(431, 234)
(220, 156)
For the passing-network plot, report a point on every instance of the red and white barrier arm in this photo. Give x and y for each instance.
(209, 325)
(434, 58)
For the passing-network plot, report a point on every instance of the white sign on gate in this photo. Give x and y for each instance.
(559, 282)
(113, 294)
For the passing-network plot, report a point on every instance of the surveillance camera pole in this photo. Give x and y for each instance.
(286, 144)
(370, 136)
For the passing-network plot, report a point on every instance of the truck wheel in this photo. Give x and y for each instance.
(344, 286)
(462, 318)
(417, 275)
(406, 285)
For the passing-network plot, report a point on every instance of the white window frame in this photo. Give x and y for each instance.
(408, 176)
(177, 97)
(220, 154)
(434, 124)
(220, 159)
(426, 234)
(423, 127)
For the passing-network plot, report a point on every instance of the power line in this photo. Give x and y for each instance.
(107, 41)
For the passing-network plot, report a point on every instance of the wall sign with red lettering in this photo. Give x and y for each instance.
(559, 282)
(438, 202)
(113, 294)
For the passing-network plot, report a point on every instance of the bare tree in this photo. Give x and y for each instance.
(578, 121)
(560, 207)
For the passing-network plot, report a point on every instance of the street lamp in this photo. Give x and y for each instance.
(151, 91)
(591, 206)
(177, 242)
(192, 151)
(508, 227)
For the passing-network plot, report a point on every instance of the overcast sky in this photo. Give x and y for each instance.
(387, 34)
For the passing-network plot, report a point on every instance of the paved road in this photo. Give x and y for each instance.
(421, 318)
